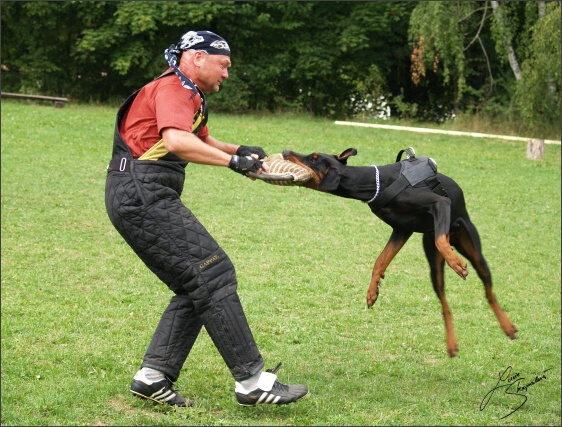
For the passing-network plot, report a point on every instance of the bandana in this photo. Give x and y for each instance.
(205, 41)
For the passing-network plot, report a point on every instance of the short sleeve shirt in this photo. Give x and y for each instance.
(160, 104)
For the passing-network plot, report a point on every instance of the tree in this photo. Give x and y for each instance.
(39, 57)
(461, 50)
(307, 56)
(92, 50)
(505, 33)
(437, 35)
(538, 91)
(316, 56)
(427, 60)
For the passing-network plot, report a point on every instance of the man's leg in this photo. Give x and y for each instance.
(174, 337)
(228, 327)
(178, 249)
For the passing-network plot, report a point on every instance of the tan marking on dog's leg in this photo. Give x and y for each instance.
(505, 323)
(376, 276)
(451, 337)
(452, 343)
(458, 265)
(393, 246)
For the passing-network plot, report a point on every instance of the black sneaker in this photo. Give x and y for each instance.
(160, 391)
(269, 390)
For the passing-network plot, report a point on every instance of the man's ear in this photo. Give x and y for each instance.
(342, 158)
(198, 57)
(330, 182)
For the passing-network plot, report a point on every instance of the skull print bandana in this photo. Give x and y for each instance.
(205, 41)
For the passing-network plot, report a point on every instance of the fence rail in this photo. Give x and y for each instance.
(446, 132)
(59, 101)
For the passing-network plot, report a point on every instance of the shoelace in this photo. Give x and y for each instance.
(171, 385)
(277, 386)
(274, 370)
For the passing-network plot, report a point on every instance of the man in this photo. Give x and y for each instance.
(159, 129)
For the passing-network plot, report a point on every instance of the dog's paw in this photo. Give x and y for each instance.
(511, 332)
(458, 265)
(453, 350)
(372, 296)
(463, 272)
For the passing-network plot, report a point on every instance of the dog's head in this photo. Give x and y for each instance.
(326, 169)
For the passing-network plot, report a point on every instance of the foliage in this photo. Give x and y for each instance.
(308, 56)
(466, 46)
(438, 44)
(425, 61)
(79, 307)
(538, 93)
(314, 56)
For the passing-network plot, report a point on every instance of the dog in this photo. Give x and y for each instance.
(412, 197)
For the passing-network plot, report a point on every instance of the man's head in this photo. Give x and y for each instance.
(205, 58)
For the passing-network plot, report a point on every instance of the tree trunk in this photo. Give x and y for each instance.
(542, 13)
(542, 9)
(510, 52)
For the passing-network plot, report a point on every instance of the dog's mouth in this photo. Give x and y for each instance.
(283, 171)
(291, 156)
(286, 153)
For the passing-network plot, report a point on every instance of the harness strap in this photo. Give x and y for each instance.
(410, 153)
(435, 185)
(389, 193)
(424, 169)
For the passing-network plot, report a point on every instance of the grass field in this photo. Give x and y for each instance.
(79, 308)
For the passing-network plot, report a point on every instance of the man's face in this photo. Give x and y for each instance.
(212, 70)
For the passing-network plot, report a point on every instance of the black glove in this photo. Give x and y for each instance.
(245, 150)
(244, 165)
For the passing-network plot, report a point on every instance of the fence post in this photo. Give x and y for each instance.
(535, 149)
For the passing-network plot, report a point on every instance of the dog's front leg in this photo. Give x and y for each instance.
(397, 240)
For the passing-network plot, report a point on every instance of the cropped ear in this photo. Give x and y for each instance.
(330, 182)
(342, 158)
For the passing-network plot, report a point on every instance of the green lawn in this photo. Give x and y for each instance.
(79, 308)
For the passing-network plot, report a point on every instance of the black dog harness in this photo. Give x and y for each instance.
(414, 170)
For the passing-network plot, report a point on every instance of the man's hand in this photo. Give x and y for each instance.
(245, 150)
(243, 165)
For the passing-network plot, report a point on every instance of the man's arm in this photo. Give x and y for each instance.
(241, 150)
(223, 146)
(189, 147)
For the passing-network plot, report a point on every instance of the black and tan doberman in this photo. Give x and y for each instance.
(411, 197)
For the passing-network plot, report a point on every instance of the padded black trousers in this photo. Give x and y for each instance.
(144, 205)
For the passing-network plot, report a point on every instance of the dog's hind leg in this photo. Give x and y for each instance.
(465, 238)
(441, 211)
(436, 266)
(396, 241)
